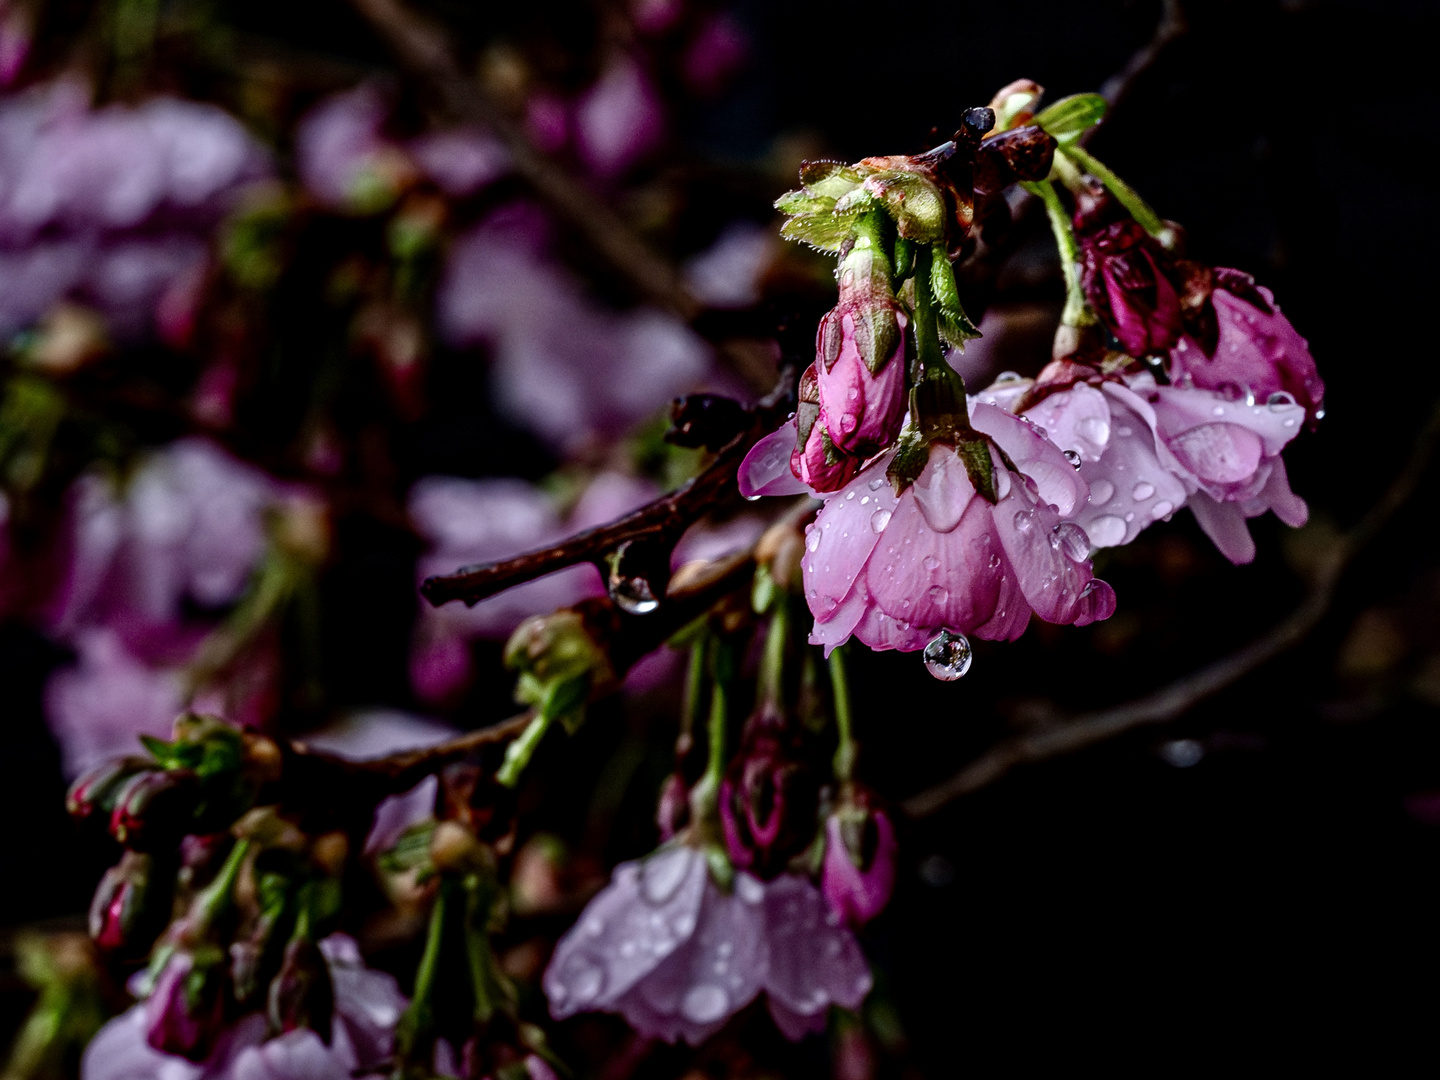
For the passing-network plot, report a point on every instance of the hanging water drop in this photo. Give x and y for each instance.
(1073, 457)
(632, 595)
(879, 520)
(948, 656)
(1280, 400)
(1142, 491)
(1071, 539)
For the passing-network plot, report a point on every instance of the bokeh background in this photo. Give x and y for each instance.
(1261, 870)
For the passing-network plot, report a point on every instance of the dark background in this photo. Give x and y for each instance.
(1108, 907)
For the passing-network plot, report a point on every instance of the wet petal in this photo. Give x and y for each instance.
(814, 959)
(766, 468)
(1224, 523)
(843, 536)
(1034, 455)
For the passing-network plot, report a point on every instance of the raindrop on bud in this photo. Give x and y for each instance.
(948, 655)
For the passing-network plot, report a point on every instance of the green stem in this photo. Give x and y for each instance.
(213, 902)
(430, 959)
(845, 749)
(1077, 309)
(705, 795)
(772, 664)
(522, 749)
(1128, 197)
(694, 688)
(929, 353)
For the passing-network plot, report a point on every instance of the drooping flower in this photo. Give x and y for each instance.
(677, 956)
(1257, 350)
(857, 883)
(367, 1006)
(895, 571)
(1127, 279)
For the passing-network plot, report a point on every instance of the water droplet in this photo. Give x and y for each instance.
(849, 495)
(1007, 377)
(585, 980)
(662, 874)
(939, 595)
(704, 1004)
(931, 563)
(864, 499)
(1107, 531)
(1142, 491)
(1024, 522)
(1101, 492)
(1071, 539)
(1182, 753)
(748, 889)
(632, 595)
(994, 561)
(1280, 400)
(1218, 410)
(1125, 431)
(854, 393)
(1160, 509)
(876, 483)
(1072, 456)
(948, 656)
(1319, 414)
(878, 520)
(813, 543)
(1289, 422)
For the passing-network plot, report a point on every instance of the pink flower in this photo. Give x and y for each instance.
(1126, 278)
(863, 409)
(367, 1006)
(1257, 350)
(618, 120)
(858, 894)
(766, 469)
(677, 956)
(343, 158)
(896, 571)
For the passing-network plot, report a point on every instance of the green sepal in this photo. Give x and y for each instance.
(411, 850)
(1069, 118)
(829, 179)
(904, 260)
(974, 454)
(912, 453)
(800, 201)
(859, 201)
(913, 203)
(824, 232)
(722, 871)
(565, 701)
(952, 322)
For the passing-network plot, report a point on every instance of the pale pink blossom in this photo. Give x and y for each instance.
(1258, 352)
(677, 956)
(368, 1005)
(894, 571)
(618, 120)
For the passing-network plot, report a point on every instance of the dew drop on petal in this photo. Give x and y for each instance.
(1024, 521)
(1280, 400)
(849, 495)
(1160, 509)
(931, 563)
(1107, 531)
(704, 1004)
(1071, 539)
(1101, 492)
(584, 980)
(939, 595)
(662, 874)
(1073, 457)
(878, 520)
(948, 656)
(1142, 491)
(1007, 377)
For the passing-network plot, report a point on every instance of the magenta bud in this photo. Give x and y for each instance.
(302, 995)
(673, 810)
(858, 874)
(863, 406)
(1127, 278)
(186, 1009)
(93, 794)
(125, 905)
(155, 809)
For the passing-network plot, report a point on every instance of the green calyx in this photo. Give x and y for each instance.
(867, 296)
(827, 209)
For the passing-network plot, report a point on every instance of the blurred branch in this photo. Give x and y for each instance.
(423, 48)
(1173, 701)
(1172, 26)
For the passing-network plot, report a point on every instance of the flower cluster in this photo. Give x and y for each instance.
(965, 516)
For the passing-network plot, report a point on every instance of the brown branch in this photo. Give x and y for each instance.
(1173, 701)
(1172, 26)
(423, 49)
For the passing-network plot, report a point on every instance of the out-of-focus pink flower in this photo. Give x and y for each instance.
(563, 366)
(113, 206)
(655, 16)
(896, 571)
(727, 274)
(368, 1004)
(189, 525)
(98, 708)
(715, 54)
(547, 121)
(618, 120)
(862, 409)
(15, 41)
(858, 894)
(1127, 282)
(676, 956)
(186, 1008)
(1258, 352)
(343, 158)
(460, 162)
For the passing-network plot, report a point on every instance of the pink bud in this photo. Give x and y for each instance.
(854, 893)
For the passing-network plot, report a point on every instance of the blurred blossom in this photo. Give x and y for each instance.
(728, 273)
(15, 40)
(189, 525)
(655, 16)
(618, 120)
(716, 53)
(368, 1005)
(99, 707)
(375, 734)
(347, 162)
(547, 121)
(471, 521)
(565, 367)
(111, 206)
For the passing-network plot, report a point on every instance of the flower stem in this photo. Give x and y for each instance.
(772, 665)
(520, 751)
(929, 353)
(1130, 199)
(705, 796)
(1077, 309)
(217, 895)
(844, 763)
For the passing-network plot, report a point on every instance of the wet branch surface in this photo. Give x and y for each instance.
(1063, 736)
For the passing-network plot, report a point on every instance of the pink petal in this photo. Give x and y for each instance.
(766, 468)
(1049, 576)
(843, 536)
(1219, 453)
(1076, 419)
(1224, 523)
(1035, 456)
(814, 960)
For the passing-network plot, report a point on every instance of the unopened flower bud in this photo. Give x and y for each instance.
(858, 875)
(864, 404)
(1129, 279)
(816, 460)
(186, 1009)
(129, 906)
(155, 809)
(1015, 103)
(453, 847)
(302, 994)
(93, 795)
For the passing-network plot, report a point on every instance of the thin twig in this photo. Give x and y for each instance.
(1172, 25)
(423, 49)
(1173, 701)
